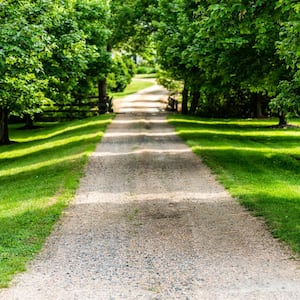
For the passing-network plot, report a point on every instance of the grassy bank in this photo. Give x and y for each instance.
(258, 163)
(137, 84)
(38, 177)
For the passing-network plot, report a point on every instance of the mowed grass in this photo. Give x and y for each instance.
(257, 163)
(136, 85)
(39, 175)
(145, 76)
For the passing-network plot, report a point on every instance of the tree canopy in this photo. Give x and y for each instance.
(57, 51)
(234, 58)
(242, 57)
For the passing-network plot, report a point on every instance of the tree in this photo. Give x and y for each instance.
(171, 42)
(70, 53)
(22, 47)
(121, 73)
(56, 51)
(93, 19)
(287, 100)
(130, 29)
(224, 48)
(48, 50)
(235, 46)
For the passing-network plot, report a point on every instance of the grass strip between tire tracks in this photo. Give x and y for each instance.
(258, 163)
(39, 175)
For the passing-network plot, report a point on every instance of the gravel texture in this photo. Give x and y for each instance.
(150, 221)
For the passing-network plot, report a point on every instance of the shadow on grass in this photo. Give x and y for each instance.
(238, 124)
(258, 164)
(38, 184)
(186, 121)
(52, 130)
(57, 133)
(33, 174)
(230, 138)
(268, 186)
(40, 176)
(43, 155)
(233, 133)
(244, 163)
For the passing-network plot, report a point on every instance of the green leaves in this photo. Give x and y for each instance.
(22, 47)
(288, 99)
(53, 42)
(235, 47)
(60, 49)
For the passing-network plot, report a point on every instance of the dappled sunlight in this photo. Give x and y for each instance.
(47, 145)
(256, 161)
(154, 90)
(35, 166)
(137, 134)
(138, 109)
(44, 135)
(142, 151)
(22, 207)
(147, 121)
(29, 170)
(244, 133)
(262, 150)
(150, 100)
(53, 132)
(38, 177)
(237, 138)
(98, 197)
(248, 123)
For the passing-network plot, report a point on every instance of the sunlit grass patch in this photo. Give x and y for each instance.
(258, 163)
(39, 175)
(136, 85)
(143, 76)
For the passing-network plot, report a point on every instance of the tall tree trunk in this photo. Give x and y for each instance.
(4, 137)
(185, 98)
(102, 96)
(195, 102)
(29, 122)
(258, 102)
(102, 90)
(282, 118)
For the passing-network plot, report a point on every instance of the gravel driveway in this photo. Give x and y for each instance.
(149, 221)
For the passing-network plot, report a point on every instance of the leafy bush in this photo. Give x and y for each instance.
(143, 69)
(122, 71)
(172, 85)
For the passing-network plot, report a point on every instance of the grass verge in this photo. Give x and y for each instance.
(257, 163)
(39, 176)
(136, 85)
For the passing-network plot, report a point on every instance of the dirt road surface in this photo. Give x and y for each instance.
(149, 221)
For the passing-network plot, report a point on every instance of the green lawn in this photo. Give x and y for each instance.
(257, 163)
(145, 76)
(136, 85)
(38, 177)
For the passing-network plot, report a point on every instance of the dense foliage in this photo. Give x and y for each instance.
(236, 58)
(59, 51)
(122, 71)
(232, 57)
